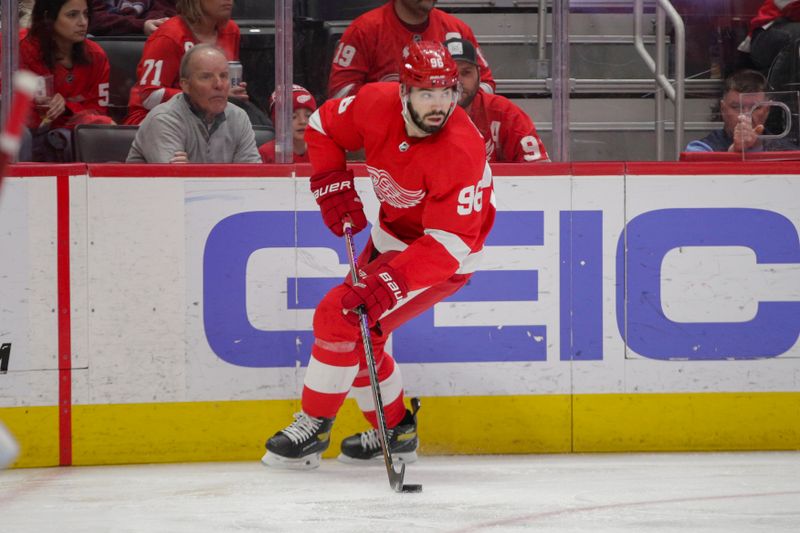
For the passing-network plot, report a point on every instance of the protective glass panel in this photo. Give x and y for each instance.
(764, 125)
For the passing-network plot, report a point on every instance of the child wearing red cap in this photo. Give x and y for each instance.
(303, 105)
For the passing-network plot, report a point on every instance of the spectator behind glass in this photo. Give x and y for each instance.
(56, 47)
(126, 17)
(198, 125)
(370, 46)
(743, 119)
(303, 105)
(773, 29)
(198, 21)
(508, 132)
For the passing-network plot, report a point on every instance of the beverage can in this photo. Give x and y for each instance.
(235, 72)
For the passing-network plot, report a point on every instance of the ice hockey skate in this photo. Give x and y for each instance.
(300, 445)
(363, 448)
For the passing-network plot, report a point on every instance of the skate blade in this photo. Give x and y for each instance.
(407, 458)
(308, 462)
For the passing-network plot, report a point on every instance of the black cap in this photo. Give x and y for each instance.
(462, 50)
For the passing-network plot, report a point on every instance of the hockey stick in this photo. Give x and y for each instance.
(395, 477)
(24, 84)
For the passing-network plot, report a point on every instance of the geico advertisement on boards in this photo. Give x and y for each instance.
(589, 285)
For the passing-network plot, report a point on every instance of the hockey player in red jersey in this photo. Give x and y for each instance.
(368, 50)
(429, 172)
(198, 21)
(509, 133)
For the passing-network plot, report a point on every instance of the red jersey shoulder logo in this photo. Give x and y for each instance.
(387, 190)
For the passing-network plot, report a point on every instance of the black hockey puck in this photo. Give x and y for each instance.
(412, 488)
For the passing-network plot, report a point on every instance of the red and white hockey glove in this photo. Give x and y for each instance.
(377, 292)
(337, 198)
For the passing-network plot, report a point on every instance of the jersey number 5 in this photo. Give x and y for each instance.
(102, 90)
(470, 199)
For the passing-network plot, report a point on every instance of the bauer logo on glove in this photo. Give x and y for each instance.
(338, 200)
(375, 294)
(332, 188)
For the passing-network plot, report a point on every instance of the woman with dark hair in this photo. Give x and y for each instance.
(56, 47)
(198, 21)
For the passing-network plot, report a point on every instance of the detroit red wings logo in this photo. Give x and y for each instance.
(387, 190)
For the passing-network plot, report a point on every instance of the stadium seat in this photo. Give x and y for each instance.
(110, 144)
(263, 134)
(342, 10)
(95, 143)
(124, 53)
(253, 9)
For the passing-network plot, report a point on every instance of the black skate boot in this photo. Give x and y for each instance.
(362, 448)
(300, 445)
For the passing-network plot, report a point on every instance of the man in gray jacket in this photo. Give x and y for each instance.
(198, 125)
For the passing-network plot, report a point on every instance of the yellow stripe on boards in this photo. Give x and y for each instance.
(233, 431)
(36, 431)
(687, 422)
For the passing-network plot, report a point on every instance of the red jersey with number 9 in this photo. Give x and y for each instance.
(436, 194)
(158, 72)
(509, 133)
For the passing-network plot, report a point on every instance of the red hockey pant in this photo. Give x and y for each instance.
(338, 365)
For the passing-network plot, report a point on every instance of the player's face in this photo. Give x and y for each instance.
(429, 107)
(208, 83)
(418, 7)
(217, 9)
(470, 80)
(300, 122)
(72, 22)
(735, 103)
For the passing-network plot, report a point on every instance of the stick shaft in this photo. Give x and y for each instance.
(395, 478)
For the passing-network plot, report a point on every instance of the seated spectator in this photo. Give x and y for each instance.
(56, 48)
(198, 125)
(129, 17)
(509, 133)
(198, 21)
(743, 118)
(772, 31)
(370, 46)
(303, 104)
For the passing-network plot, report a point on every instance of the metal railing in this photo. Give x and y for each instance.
(676, 94)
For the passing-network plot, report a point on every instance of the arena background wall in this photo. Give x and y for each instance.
(162, 313)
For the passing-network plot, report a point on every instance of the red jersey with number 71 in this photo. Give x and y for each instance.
(436, 194)
(158, 72)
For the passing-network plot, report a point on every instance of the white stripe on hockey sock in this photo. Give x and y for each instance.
(391, 388)
(329, 379)
(337, 347)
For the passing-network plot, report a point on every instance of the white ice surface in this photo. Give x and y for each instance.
(719, 492)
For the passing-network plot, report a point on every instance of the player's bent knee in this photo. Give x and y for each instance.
(329, 317)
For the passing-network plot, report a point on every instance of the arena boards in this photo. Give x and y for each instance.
(159, 314)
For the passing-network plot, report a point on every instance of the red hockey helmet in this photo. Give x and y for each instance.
(427, 64)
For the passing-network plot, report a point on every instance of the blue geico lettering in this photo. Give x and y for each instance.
(234, 339)
(650, 236)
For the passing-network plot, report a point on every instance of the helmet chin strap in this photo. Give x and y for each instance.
(412, 127)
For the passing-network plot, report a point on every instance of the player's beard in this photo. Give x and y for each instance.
(468, 98)
(419, 121)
